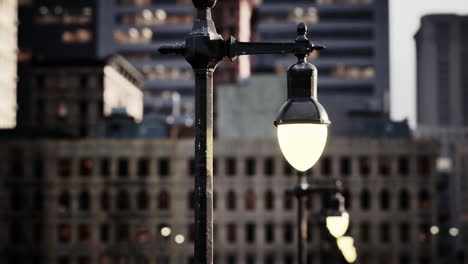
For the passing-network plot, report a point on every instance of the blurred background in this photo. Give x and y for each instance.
(96, 131)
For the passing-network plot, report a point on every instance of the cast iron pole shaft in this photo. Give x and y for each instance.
(204, 166)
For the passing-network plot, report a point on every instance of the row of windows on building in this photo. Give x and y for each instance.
(156, 17)
(123, 201)
(87, 166)
(229, 258)
(122, 231)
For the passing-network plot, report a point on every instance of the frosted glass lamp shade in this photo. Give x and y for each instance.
(338, 225)
(302, 144)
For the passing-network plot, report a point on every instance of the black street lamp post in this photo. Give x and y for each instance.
(204, 49)
(301, 191)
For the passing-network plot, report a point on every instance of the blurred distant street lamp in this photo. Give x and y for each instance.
(347, 248)
(337, 218)
(302, 122)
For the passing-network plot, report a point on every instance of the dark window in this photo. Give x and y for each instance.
(16, 168)
(404, 259)
(345, 166)
(164, 167)
(270, 259)
(423, 233)
(250, 232)
(143, 167)
(64, 168)
(365, 200)
(288, 200)
(231, 166)
(39, 168)
(16, 200)
(288, 232)
(231, 259)
(231, 200)
(384, 200)
(123, 232)
(123, 200)
(269, 232)
(231, 232)
(250, 200)
(385, 232)
(64, 202)
(191, 232)
(364, 165)
(404, 232)
(84, 201)
(64, 233)
(424, 199)
(164, 202)
(403, 165)
(326, 166)
(38, 201)
(84, 232)
(404, 200)
(83, 81)
(287, 168)
(105, 201)
(191, 200)
(250, 259)
(288, 259)
(385, 165)
(424, 166)
(105, 167)
(104, 232)
(250, 166)
(269, 167)
(122, 167)
(86, 167)
(143, 200)
(191, 167)
(365, 232)
(16, 232)
(269, 200)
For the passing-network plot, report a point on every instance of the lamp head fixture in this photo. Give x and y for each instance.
(302, 121)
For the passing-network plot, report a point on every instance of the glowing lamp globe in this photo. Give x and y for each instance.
(338, 225)
(345, 243)
(302, 121)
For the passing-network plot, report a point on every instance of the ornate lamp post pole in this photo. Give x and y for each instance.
(302, 121)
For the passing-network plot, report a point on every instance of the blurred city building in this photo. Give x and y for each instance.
(442, 88)
(72, 96)
(8, 61)
(131, 201)
(353, 70)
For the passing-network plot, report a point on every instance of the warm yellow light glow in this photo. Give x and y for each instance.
(179, 239)
(337, 225)
(346, 245)
(165, 231)
(435, 230)
(302, 144)
(454, 231)
(350, 255)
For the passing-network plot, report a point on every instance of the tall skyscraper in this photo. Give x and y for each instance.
(8, 58)
(353, 70)
(442, 82)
